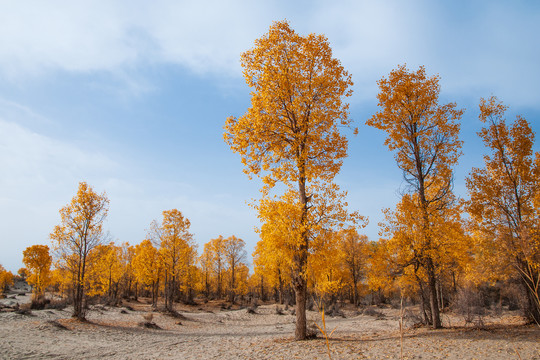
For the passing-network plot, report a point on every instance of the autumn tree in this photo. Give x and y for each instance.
(146, 266)
(502, 199)
(105, 271)
(326, 268)
(216, 254)
(80, 231)
(206, 266)
(23, 273)
(6, 279)
(424, 137)
(405, 249)
(272, 258)
(128, 283)
(37, 260)
(353, 250)
(176, 252)
(235, 256)
(291, 134)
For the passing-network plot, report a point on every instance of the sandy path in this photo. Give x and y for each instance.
(114, 333)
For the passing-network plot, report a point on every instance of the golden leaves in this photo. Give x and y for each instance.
(423, 134)
(503, 193)
(37, 260)
(291, 129)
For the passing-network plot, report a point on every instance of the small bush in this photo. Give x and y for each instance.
(469, 303)
(312, 331)
(58, 304)
(251, 310)
(39, 303)
(369, 311)
(24, 309)
(149, 325)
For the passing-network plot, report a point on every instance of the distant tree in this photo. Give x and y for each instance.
(424, 136)
(23, 273)
(206, 266)
(235, 256)
(354, 253)
(147, 267)
(217, 256)
(105, 271)
(6, 279)
(504, 200)
(290, 134)
(38, 261)
(176, 252)
(80, 231)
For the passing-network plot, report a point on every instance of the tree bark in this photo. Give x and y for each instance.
(432, 286)
(300, 332)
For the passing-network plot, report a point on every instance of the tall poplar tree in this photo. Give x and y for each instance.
(291, 133)
(503, 196)
(424, 137)
(80, 231)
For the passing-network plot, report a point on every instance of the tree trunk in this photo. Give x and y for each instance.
(432, 287)
(531, 281)
(280, 288)
(355, 291)
(301, 322)
(231, 290)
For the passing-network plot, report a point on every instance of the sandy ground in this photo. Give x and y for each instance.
(208, 332)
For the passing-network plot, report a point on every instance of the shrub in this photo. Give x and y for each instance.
(469, 303)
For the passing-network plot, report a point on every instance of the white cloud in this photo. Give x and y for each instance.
(40, 175)
(488, 46)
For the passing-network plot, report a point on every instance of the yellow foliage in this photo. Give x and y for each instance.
(424, 136)
(146, 263)
(105, 270)
(78, 234)
(291, 133)
(37, 260)
(6, 278)
(504, 200)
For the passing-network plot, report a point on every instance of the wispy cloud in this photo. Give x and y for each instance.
(486, 45)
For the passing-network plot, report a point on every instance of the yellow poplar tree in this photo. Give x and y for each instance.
(235, 256)
(38, 261)
(290, 134)
(406, 249)
(206, 266)
(80, 231)
(6, 279)
(146, 266)
(424, 137)
(326, 267)
(354, 253)
(217, 256)
(176, 252)
(502, 199)
(272, 258)
(105, 271)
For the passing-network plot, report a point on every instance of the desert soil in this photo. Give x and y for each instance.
(209, 332)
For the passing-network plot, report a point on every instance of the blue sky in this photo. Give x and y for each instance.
(132, 97)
